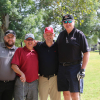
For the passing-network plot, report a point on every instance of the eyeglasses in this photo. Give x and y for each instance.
(69, 21)
(29, 39)
(10, 37)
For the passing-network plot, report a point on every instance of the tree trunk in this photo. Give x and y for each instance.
(4, 27)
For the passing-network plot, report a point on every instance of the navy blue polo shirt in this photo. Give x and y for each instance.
(71, 46)
(48, 58)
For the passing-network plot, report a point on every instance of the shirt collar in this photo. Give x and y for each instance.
(4, 46)
(26, 49)
(71, 33)
(44, 43)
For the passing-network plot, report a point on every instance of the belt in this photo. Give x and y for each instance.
(6, 81)
(70, 63)
(48, 76)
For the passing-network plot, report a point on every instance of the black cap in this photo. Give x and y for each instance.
(67, 17)
(10, 32)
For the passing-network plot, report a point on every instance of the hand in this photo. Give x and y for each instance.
(35, 42)
(23, 78)
(81, 74)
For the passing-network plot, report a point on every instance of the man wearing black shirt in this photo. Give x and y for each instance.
(48, 66)
(73, 54)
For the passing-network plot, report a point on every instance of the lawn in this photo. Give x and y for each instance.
(92, 78)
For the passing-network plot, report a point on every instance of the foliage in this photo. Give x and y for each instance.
(34, 15)
(84, 12)
(33, 23)
(96, 50)
(91, 80)
(18, 42)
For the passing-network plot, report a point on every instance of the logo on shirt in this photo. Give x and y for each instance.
(72, 38)
(3, 51)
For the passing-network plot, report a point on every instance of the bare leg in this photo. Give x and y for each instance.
(75, 96)
(67, 95)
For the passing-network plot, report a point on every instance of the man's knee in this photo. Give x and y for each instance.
(75, 96)
(66, 93)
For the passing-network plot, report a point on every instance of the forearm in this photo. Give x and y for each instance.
(85, 60)
(16, 69)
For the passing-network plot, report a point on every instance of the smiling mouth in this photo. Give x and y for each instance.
(30, 43)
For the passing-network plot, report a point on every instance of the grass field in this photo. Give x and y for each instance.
(92, 79)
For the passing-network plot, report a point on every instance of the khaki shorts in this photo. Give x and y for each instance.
(48, 87)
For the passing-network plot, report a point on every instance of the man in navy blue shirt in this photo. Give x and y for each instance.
(48, 66)
(73, 54)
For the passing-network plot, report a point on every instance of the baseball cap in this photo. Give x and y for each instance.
(10, 32)
(29, 35)
(48, 30)
(67, 17)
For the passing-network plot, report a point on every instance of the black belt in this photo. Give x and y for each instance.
(48, 76)
(7, 81)
(70, 63)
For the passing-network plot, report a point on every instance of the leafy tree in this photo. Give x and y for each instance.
(34, 15)
(79, 8)
(13, 14)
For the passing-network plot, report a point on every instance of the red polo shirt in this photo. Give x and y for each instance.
(27, 61)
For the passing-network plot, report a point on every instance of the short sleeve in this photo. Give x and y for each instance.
(16, 57)
(84, 44)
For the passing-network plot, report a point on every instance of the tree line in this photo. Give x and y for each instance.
(32, 16)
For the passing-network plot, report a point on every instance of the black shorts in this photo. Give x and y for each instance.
(67, 78)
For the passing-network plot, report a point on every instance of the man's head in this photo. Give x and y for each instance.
(29, 41)
(68, 22)
(49, 34)
(9, 38)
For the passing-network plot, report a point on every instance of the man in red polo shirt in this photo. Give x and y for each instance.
(25, 64)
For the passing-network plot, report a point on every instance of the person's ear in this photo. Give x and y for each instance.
(24, 41)
(74, 21)
(4, 38)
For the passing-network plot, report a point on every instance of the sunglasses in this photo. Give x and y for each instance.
(69, 21)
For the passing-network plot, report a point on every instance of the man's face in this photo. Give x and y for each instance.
(68, 25)
(48, 37)
(29, 42)
(9, 40)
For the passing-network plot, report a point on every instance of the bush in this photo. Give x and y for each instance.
(96, 50)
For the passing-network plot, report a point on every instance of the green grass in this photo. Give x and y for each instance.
(92, 79)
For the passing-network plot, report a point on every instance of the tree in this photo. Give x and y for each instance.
(34, 15)
(5, 7)
(13, 13)
(80, 9)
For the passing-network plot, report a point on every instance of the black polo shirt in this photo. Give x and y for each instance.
(71, 46)
(48, 58)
